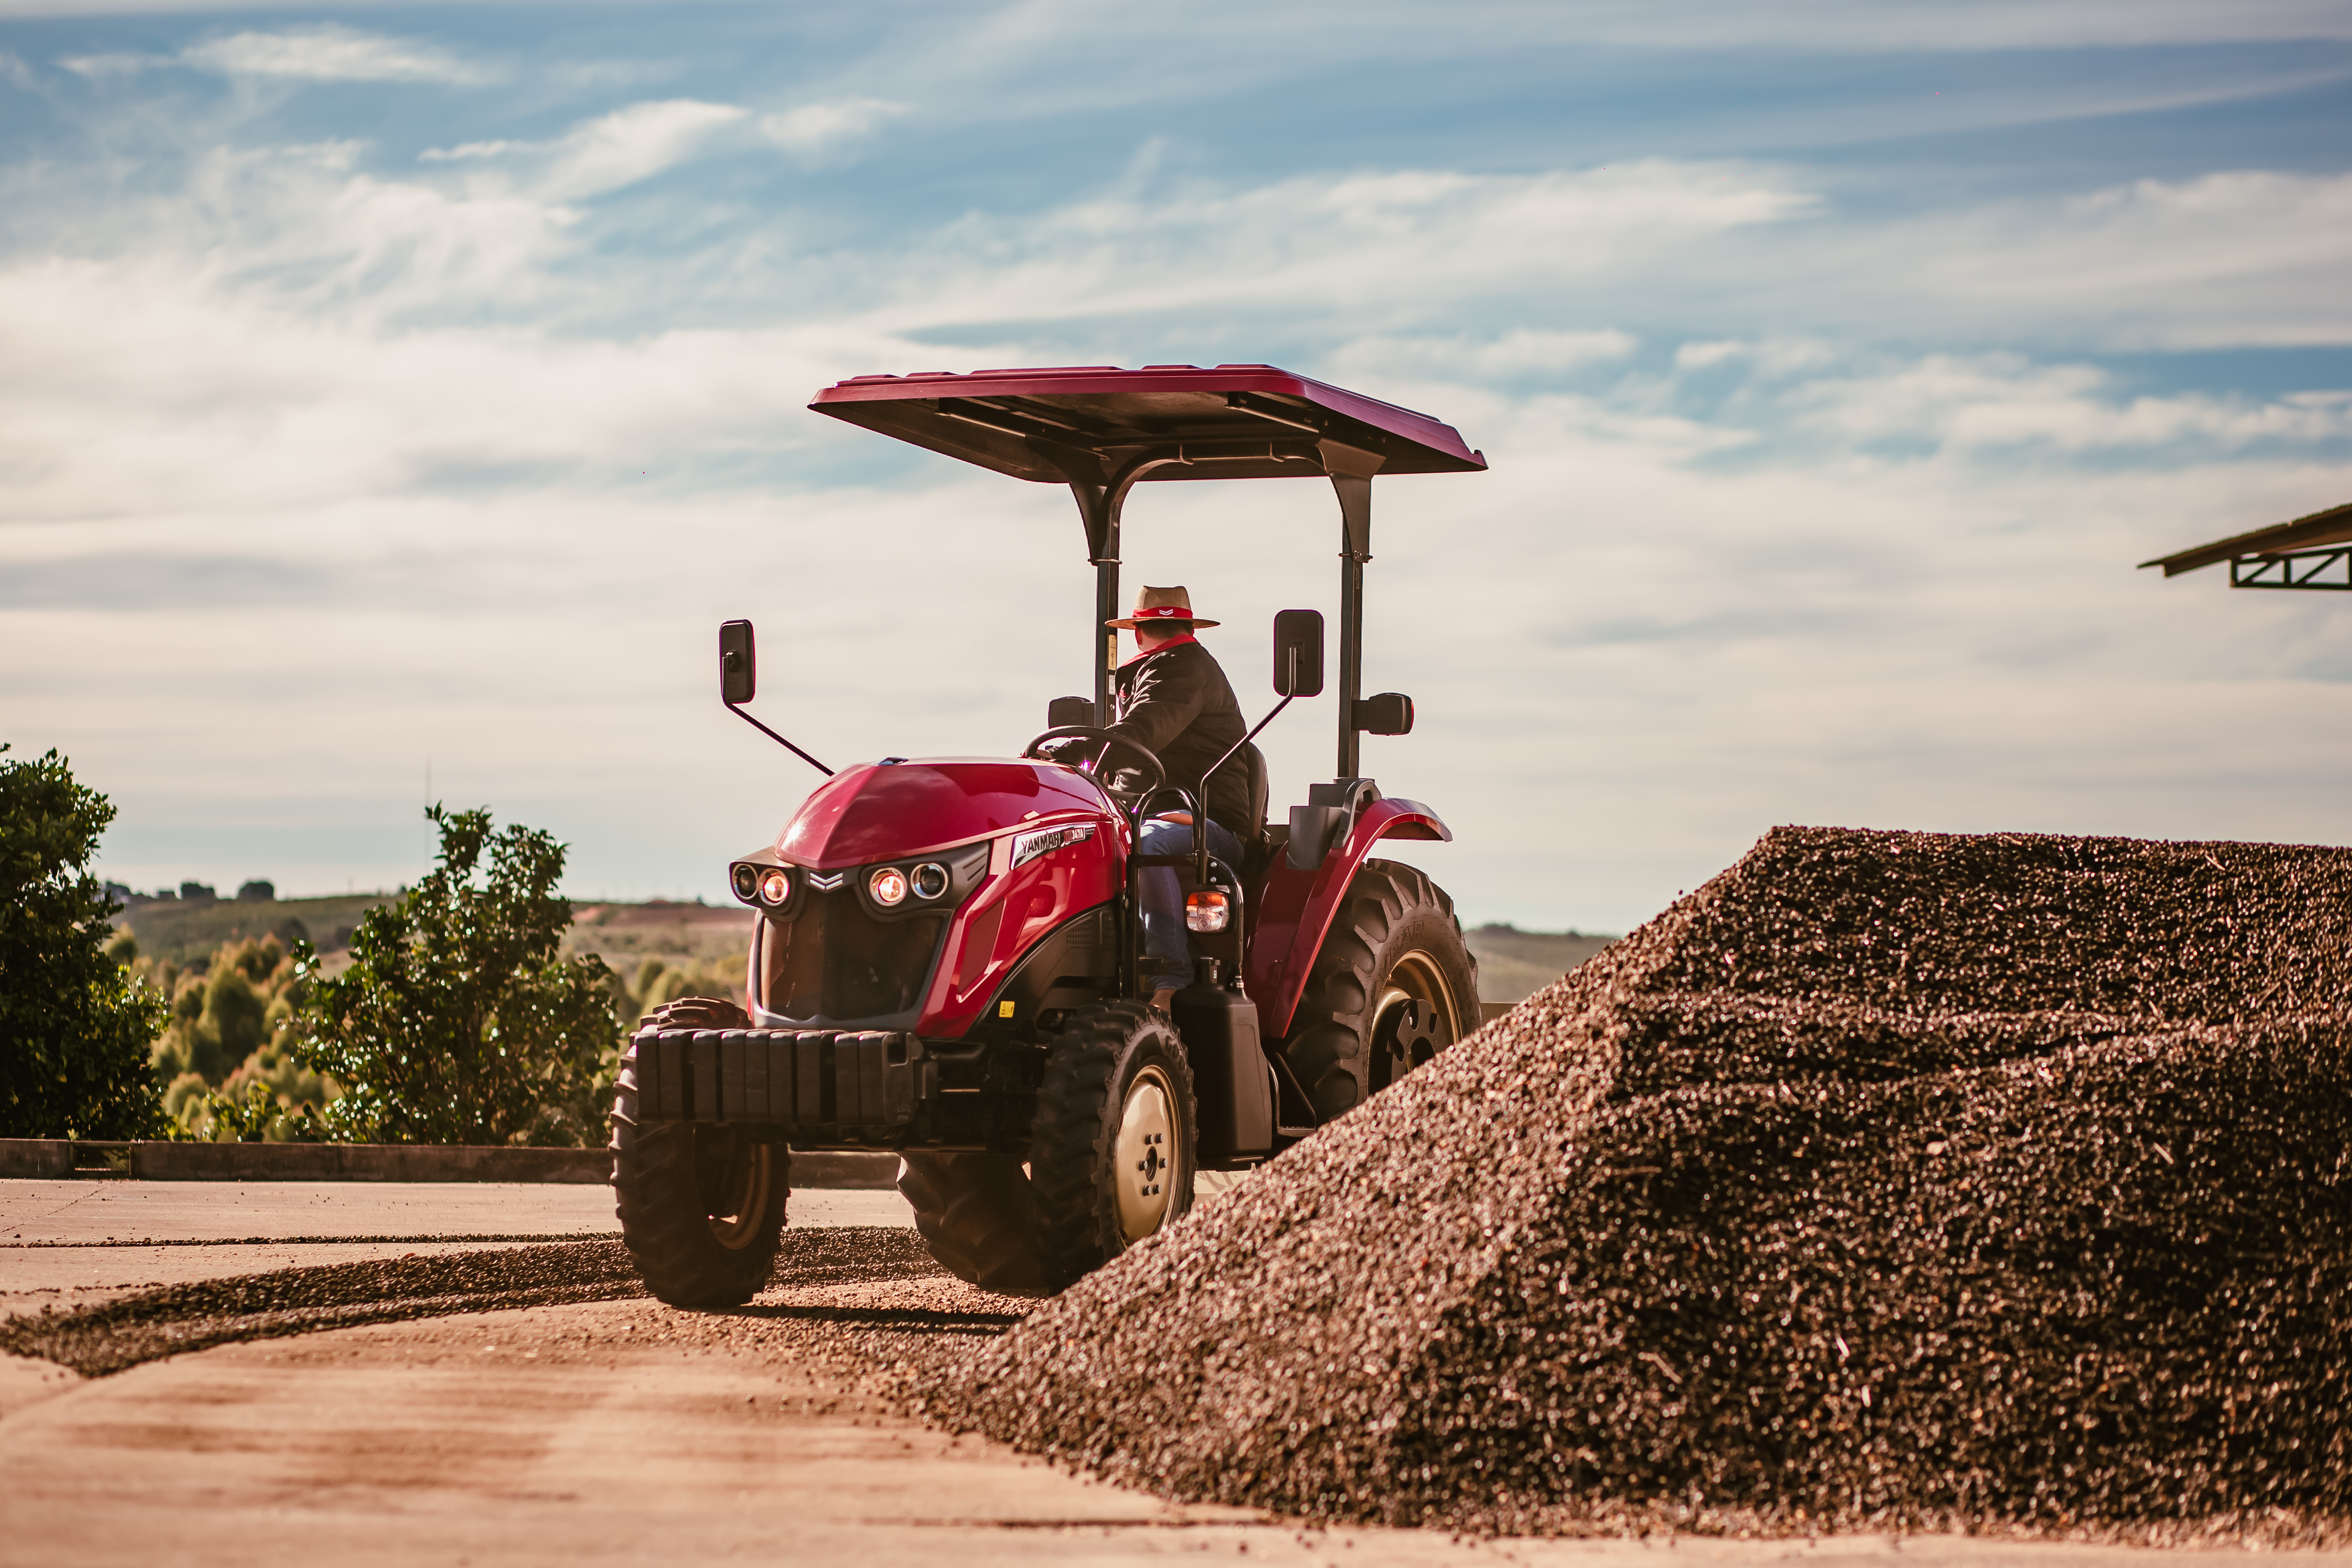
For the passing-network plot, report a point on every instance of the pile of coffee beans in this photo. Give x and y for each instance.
(1889, 1180)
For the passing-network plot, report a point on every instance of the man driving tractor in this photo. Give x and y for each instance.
(1172, 696)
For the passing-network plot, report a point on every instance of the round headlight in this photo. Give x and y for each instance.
(775, 887)
(930, 879)
(747, 881)
(888, 887)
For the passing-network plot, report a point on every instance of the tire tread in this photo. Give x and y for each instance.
(1332, 1025)
(657, 1197)
(977, 1216)
(1077, 1224)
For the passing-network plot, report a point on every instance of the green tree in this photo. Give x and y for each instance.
(74, 1025)
(458, 1022)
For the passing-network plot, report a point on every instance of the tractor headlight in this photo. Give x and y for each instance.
(775, 887)
(1206, 910)
(930, 879)
(746, 880)
(888, 887)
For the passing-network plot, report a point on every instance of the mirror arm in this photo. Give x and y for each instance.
(781, 742)
(1244, 741)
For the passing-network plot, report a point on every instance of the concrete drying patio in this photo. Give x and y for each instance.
(614, 1431)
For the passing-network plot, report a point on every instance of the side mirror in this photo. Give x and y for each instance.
(739, 675)
(1298, 653)
(1389, 713)
(1070, 710)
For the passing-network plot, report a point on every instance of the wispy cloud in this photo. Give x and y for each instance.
(607, 153)
(325, 52)
(632, 144)
(1985, 404)
(333, 53)
(115, 63)
(2250, 256)
(1415, 240)
(1517, 355)
(814, 131)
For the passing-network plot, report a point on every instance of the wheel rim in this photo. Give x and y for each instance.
(1143, 1174)
(747, 1191)
(1414, 1019)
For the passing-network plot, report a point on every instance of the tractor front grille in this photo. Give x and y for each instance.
(835, 964)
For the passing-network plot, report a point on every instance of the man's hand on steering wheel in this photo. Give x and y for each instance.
(1095, 747)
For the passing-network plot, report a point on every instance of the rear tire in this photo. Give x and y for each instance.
(977, 1216)
(1393, 985)
(701, 1208)
(1114, 1144)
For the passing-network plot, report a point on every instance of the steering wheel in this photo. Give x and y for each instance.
(1111, 740)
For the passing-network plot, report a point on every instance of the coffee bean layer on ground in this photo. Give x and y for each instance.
(108, 1338)
(1889, 1180)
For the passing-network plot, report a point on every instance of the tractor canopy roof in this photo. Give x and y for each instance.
(1089, 424)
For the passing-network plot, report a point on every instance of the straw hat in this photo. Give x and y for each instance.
(1159, 607)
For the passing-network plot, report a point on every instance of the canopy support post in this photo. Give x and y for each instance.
(1352, 471)
(1100, 507)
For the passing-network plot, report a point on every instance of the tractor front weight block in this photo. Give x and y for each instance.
(811, 1087)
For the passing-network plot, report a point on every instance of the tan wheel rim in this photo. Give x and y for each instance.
(1417, 977)
(739, 1229)
(1143, 1174)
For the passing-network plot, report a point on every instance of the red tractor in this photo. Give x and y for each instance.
(946, 963)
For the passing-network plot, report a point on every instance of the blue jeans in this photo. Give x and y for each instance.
(1167, 945)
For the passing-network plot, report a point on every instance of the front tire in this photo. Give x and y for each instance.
(1393, 985)
(1113, 1151)
(977, 1216)
(701, 1208)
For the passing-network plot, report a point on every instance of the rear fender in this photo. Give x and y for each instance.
(1295, 909)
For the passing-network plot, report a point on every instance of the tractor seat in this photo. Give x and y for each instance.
(1252, 762)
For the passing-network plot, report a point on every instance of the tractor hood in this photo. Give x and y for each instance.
(889, 811)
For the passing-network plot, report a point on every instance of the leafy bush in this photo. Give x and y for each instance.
(656, 983)
(251, 1111)
(227, 1060)
(224, 1009)
(458, 1022)
(75, 1023)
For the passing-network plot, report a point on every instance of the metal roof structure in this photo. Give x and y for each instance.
(1084, 423)
(1102, 430)
(2310, 553)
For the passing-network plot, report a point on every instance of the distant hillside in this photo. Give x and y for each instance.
(178, 931)
(627, 935)
(1513, 964)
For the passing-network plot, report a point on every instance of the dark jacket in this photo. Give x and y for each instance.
(1178, 703)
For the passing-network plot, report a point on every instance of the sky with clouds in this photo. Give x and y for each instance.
(394, 398)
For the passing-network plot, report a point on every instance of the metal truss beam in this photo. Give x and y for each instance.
(2323, 571)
